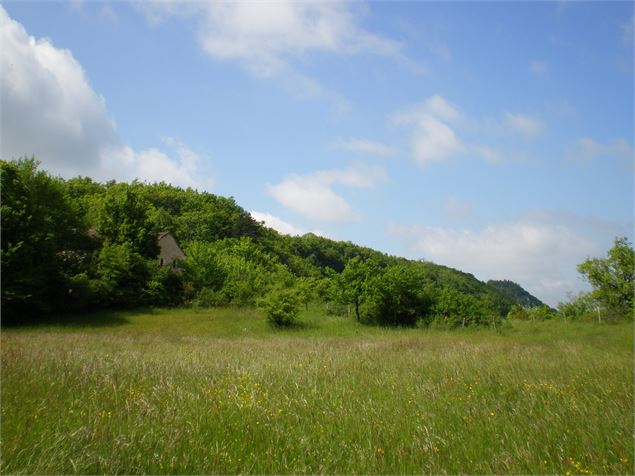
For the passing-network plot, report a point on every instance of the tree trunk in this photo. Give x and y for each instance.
(357, 309)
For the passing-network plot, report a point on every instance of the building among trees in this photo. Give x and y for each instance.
(169, 250)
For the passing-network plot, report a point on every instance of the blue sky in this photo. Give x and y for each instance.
(496, 138)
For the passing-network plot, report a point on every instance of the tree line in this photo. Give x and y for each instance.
(78, 245)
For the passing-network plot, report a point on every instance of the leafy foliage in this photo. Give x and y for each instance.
(580, 307)
(281, 307)
(124, 217)
(37, 224)
(399, 298)
(612, 278)
(77, 244)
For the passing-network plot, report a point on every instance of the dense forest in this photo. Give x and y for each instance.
(78, 245)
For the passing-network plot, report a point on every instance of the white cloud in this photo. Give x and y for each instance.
(282, 226)
(268, 37)
(263, 35)
(588, 149)
(539, 251)
(366, 146)
(435, 106)
(492, 155)
(155, 166)
(439, 107)
(48, 107)
(50, 110)
(434, 141)
(313, 197)
(527, 126)
(277, 223)
(537, 67)
(432, 138)
(435, 126)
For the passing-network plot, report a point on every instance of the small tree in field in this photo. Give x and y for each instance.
(281, 307)
(354, 282)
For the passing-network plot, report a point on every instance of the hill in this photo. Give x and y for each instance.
(78, 245)
(516, 293)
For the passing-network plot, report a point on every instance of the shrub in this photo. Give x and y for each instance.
(207, 297)
(518, 312)
(281, 307)
(399, 298)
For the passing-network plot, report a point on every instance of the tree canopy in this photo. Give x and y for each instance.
(612, 278)
(77, 245)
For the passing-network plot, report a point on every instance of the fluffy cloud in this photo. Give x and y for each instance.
(434, 141)
(540, 251)
(313, 196)
(312, 199)
(366, 146)
(282, 226)
(50, 110)
(433, 127)
(266, 38)
(527, 126)
(432, 137)
(277, 223)
(588, 149)
(263, 35)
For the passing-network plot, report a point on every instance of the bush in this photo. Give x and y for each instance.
(165, 288)
(281, 307)
(518, 312)
(207, 297)
(397, 299)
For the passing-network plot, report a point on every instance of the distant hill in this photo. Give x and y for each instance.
(516, 293)
(230, 258)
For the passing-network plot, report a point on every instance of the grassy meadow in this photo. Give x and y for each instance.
(218, 391)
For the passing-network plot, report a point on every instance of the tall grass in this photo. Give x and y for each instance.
(219, 392)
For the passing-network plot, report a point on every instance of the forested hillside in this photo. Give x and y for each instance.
(80, 245)
(515, 292)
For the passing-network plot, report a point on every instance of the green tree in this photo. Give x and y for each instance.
(123, 274)
(612, 278)
(354, 281)
(37, 225)
(399, 298)
(125, 217)
(306, 288)
(202, 266)
(580, 307)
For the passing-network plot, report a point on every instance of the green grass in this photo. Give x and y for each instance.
(186, 391)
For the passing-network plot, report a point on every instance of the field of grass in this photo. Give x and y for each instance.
(186, 391)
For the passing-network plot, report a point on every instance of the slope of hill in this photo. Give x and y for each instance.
(231, 259)
(516, 293)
